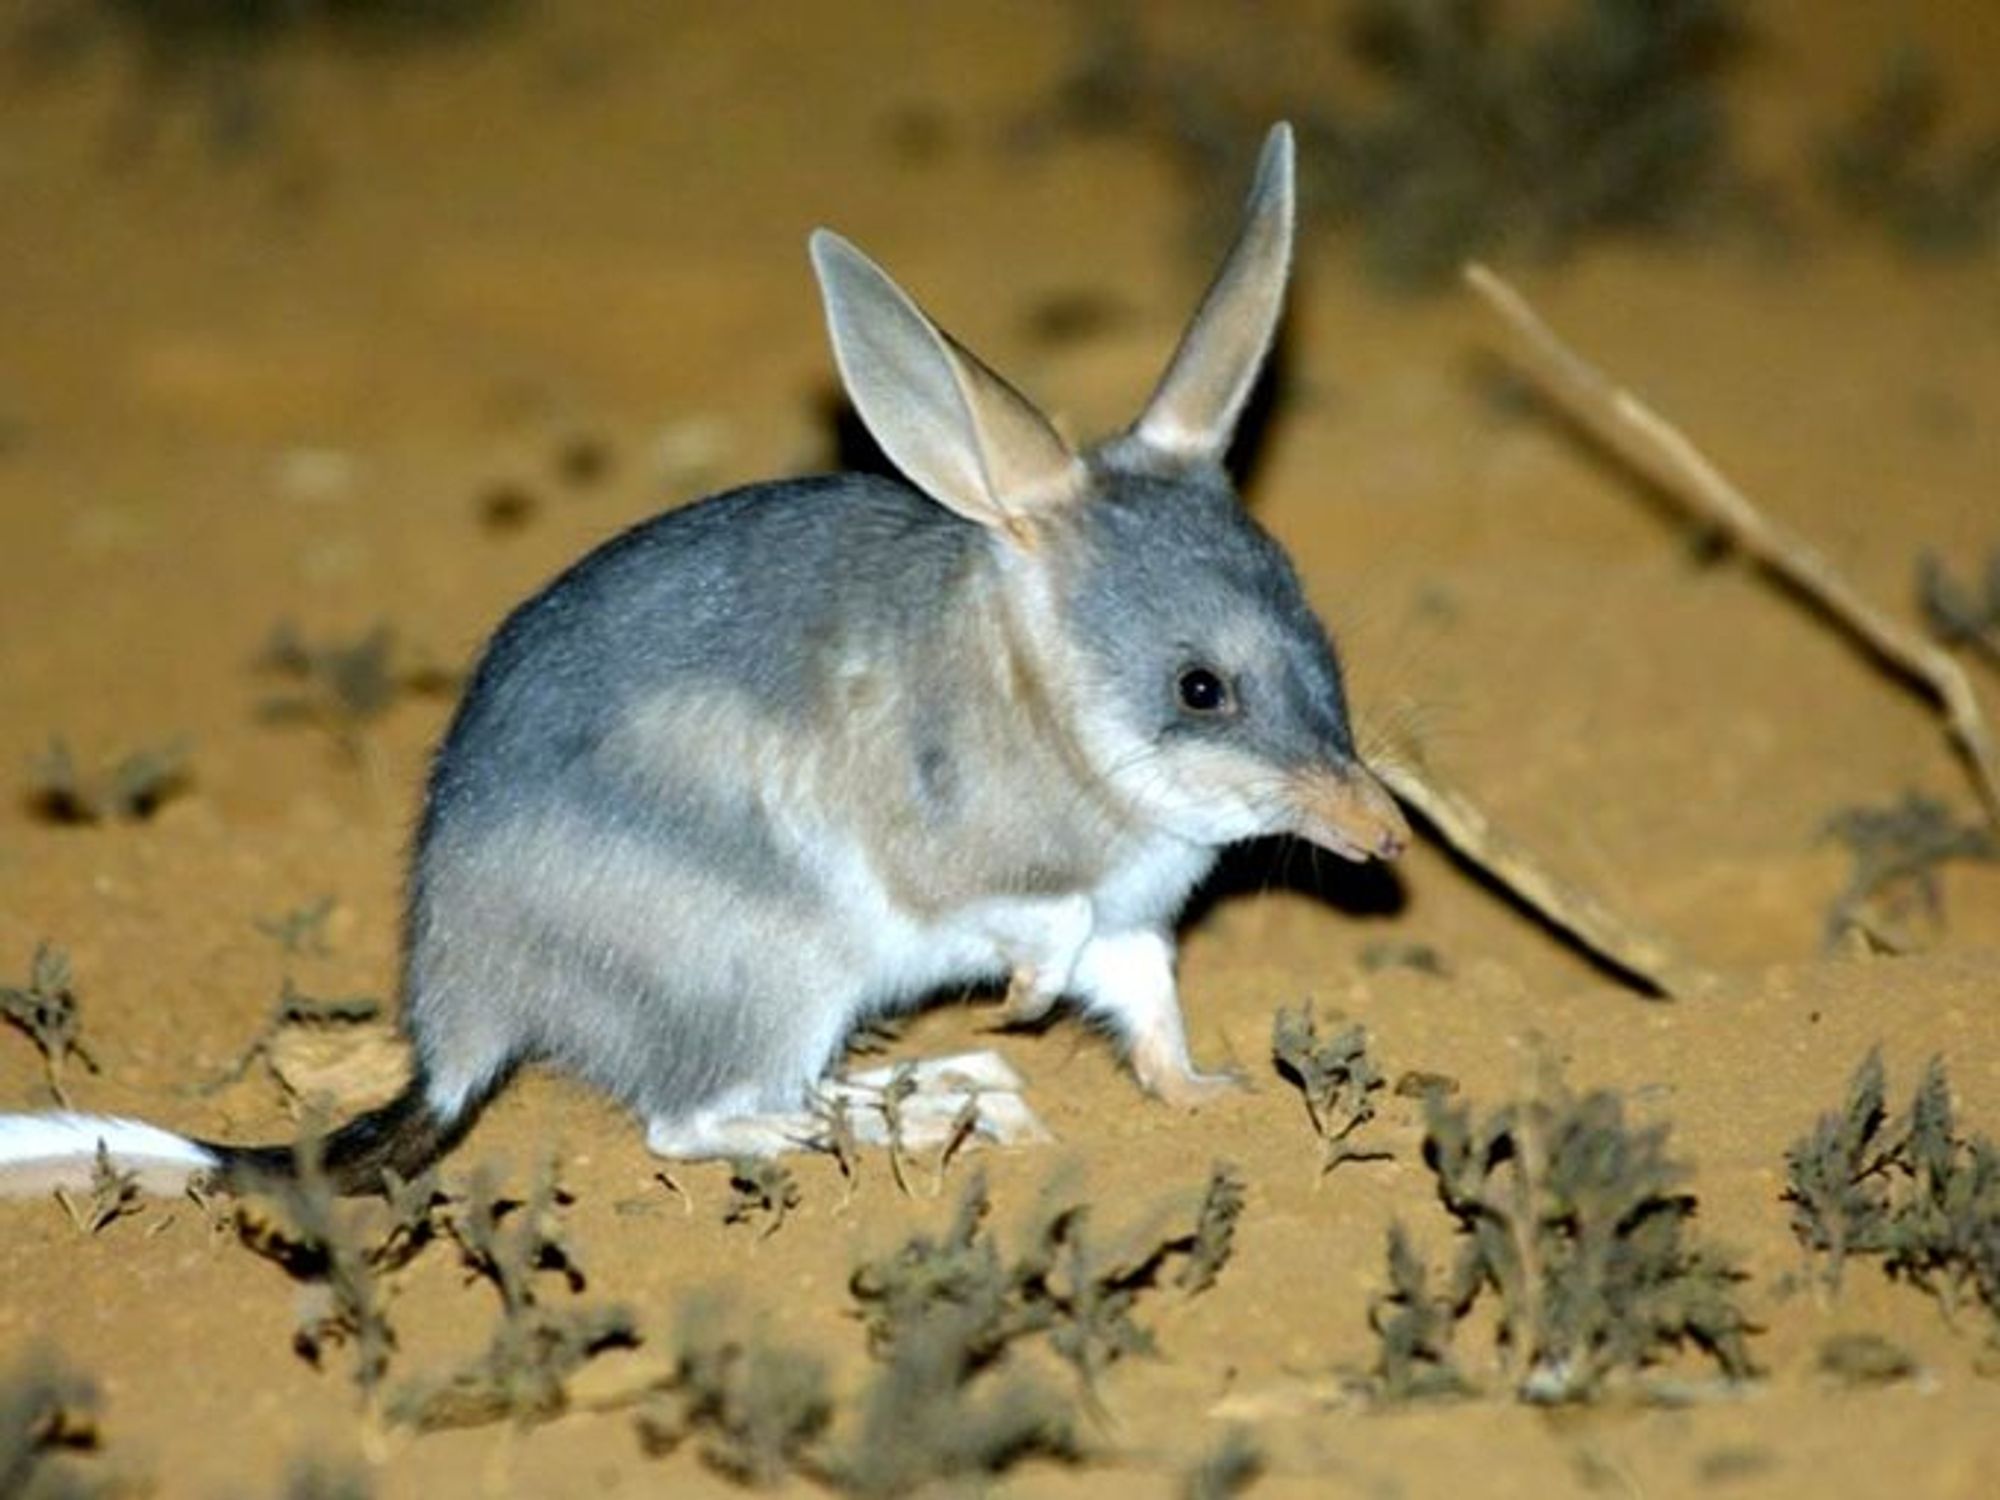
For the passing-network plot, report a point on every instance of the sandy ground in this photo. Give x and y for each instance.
(283, 387)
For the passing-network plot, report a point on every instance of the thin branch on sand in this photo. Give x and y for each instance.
(1469, 832)
(1663, 454)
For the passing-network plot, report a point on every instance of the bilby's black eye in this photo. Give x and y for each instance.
(1203, 691)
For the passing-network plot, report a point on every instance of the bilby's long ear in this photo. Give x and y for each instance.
(1194, 411)
(962, 434)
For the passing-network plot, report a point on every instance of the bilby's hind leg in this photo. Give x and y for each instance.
(1128, 979)
(1038, 938)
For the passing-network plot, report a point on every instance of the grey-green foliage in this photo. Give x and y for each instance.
(757, 1410)
(1063, 1281)
(1337, 1077)
(1607, 118)
(956, 1393)
(1226, 1470)
(1962, 614)
(933, 1410)
(536, 1345)
(1905, 1186)
(1208, 1248)
(1487, 125)
(227, 62)
(314, 1477)
(949, 1317)
(761, 1189)
(1892, 164)
(1416, 1324)
(343, 686)
(294, 1220)
(345, 1252)
(130, 788)
(46, 1412)
(45, 1009)
(962, 1269)
(1899, 850)
(114, 1194)
(1575, 1225)
(937, 1411)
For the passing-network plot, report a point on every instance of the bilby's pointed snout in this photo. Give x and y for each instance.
(1350, 813)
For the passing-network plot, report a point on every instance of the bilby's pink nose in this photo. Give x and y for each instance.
(1350, 813)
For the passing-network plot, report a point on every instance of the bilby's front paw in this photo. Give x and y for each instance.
(1026, 1002)
(1183, 1087)
(1193, 1090)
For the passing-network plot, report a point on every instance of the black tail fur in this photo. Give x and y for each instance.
(404, 1136)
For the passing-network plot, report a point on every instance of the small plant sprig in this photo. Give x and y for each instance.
(1416, 1326)
(1888, 165)
(948, 1402)
(114, 1194)
(902, 1085)
(760, 1188)
(838, 1139)
(294, 1009)
(1228, 1469)
(1962, 614)
(941, 1315)
(46, 1010)
(1063, 1282)
(958, 1134)
(1485, 126)
(760, 1413)
(1898, 852)
(130, 789)
(45, 1411)
(937, 1413)
(1213, 1241)
(314, 1477)
(757, 1410)
(343, 687)
(523, 1374)
(1336, 1076)
(1576, 1225)
(1907, 1187)
(301, 930)
(295, 1221)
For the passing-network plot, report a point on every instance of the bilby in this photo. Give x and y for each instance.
(810, 751)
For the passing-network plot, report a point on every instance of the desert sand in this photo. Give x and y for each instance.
(559, 271)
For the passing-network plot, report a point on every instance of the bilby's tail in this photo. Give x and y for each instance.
(39, 1153)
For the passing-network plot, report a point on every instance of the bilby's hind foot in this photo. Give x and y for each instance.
(705, 1137)
(938, 1093)
(932, 1100)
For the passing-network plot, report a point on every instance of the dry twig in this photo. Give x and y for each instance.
(1465, 827)
(1663, 454)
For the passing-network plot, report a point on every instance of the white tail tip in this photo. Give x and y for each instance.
(39, 1153)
